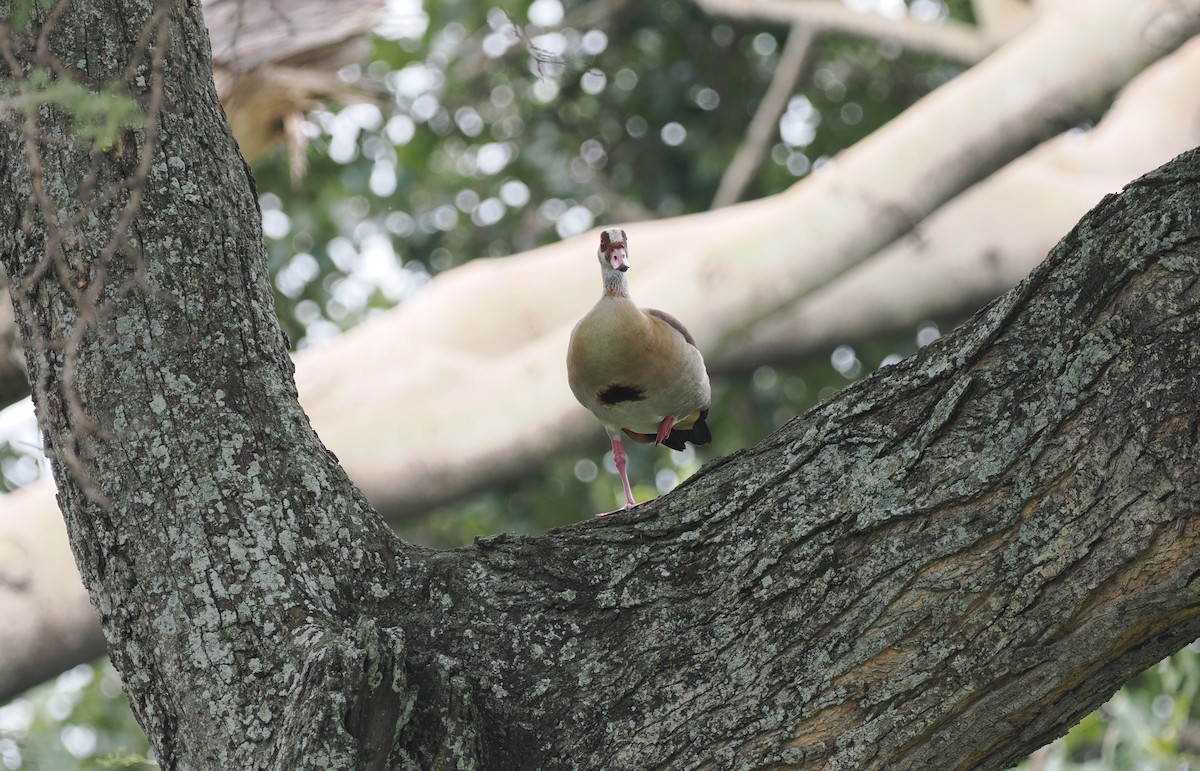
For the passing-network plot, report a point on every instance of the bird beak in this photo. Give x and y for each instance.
(618, 257)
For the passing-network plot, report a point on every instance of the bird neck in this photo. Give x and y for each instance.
(614, 284)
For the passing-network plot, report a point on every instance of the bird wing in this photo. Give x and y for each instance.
(673, 322)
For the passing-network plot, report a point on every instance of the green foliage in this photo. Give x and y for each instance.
(22, 11)
(99, 116)
(80, 720)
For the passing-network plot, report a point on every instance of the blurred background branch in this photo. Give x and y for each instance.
(797, 53)
(950, 39)
(274, 63)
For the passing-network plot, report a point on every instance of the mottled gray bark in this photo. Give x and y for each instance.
(943, 566)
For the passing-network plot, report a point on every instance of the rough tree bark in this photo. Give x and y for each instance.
(942, 566)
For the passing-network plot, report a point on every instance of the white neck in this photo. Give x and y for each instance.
(615, 284)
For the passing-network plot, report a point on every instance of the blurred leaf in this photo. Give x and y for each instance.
(99, 116)
(22, 10)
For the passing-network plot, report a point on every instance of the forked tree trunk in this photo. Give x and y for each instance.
(943, 566)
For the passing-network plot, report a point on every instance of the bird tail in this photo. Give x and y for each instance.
(691, 429)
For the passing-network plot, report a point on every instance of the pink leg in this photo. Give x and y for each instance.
(619, 459)
(664, 429)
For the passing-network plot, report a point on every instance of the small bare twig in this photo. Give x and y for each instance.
(749, 157)
(84, 283)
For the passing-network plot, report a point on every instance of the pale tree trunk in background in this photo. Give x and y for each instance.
(402, 469)
(944, 565)
(49, 624)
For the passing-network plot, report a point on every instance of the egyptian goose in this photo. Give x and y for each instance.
(637, 369)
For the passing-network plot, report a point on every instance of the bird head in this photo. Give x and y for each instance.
(614, 250)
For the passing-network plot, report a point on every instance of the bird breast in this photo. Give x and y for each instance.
(632, 369)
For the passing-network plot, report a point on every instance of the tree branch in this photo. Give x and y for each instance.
(1012, 533)
(950, 39)
(741, 170)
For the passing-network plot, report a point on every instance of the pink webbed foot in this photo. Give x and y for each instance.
(664, 429)
(626, 507)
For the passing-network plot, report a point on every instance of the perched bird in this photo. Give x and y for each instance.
(637, 369)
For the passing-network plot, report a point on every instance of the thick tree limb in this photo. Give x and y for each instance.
(944, 565)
